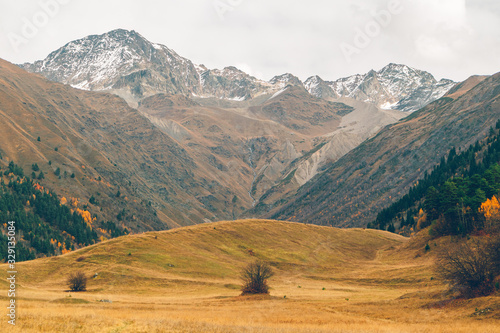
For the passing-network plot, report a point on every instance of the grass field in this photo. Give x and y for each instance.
(186, 280)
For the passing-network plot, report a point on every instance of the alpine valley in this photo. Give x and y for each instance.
(140, 137)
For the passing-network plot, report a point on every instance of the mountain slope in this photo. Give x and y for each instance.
(379, 171)
(259, 145)
(110, 148)
(192, 162)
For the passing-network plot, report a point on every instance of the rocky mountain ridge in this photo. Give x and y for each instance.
(127, 64)
(381, 170)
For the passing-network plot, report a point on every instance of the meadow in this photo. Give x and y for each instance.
(186, 280)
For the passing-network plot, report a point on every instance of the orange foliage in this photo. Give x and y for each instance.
(102, 230)
(490, 207)
(38, 187)
(87, 217)
(422, 219)
(491, 210)
(63, 201)
(73, 202)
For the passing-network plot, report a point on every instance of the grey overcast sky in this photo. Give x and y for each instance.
(330, 38)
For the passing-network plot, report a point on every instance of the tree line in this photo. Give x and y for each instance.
(44, 226)
(449, 197)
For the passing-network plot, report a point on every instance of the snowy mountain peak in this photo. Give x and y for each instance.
(316, 86)
(113, 59)
(283, 80)
(127, 64)
(395, 86)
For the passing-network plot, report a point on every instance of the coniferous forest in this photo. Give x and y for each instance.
(45, 224)
(458, 196)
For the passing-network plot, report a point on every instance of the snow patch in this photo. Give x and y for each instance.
(238, 99)
(82, 85)
(387, 106)
(277, 93)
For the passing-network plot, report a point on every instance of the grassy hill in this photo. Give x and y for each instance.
(186, 280)
(215, 251)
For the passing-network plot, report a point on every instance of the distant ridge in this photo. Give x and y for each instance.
(127, 64)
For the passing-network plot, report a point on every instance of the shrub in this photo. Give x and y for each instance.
(77, 281)
(254, 277)
(471, 267)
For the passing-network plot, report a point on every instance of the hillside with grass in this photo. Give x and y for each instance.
(215, 251)
(187, 280)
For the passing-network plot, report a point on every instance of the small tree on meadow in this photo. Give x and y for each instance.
(254, 277)
(77, 281)
(471, 268)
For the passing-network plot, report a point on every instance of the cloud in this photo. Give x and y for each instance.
(449, 38)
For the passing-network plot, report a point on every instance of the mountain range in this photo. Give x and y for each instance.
(190, 144)
(381, 170)
(125, 63)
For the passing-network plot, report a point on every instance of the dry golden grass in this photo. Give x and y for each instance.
(185, 280)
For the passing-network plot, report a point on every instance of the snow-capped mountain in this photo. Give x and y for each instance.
(229, 83)
(287, 79)
(126, 63)
(397, 87)
(319, 88)
(116, 60)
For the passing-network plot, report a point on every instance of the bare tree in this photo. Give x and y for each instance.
(77, 281)
(254, 277)
(470, 267)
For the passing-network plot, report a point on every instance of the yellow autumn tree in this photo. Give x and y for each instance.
(73, 202)
(65, 250)
(491, 211)
(87, 217)
(421, 219)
